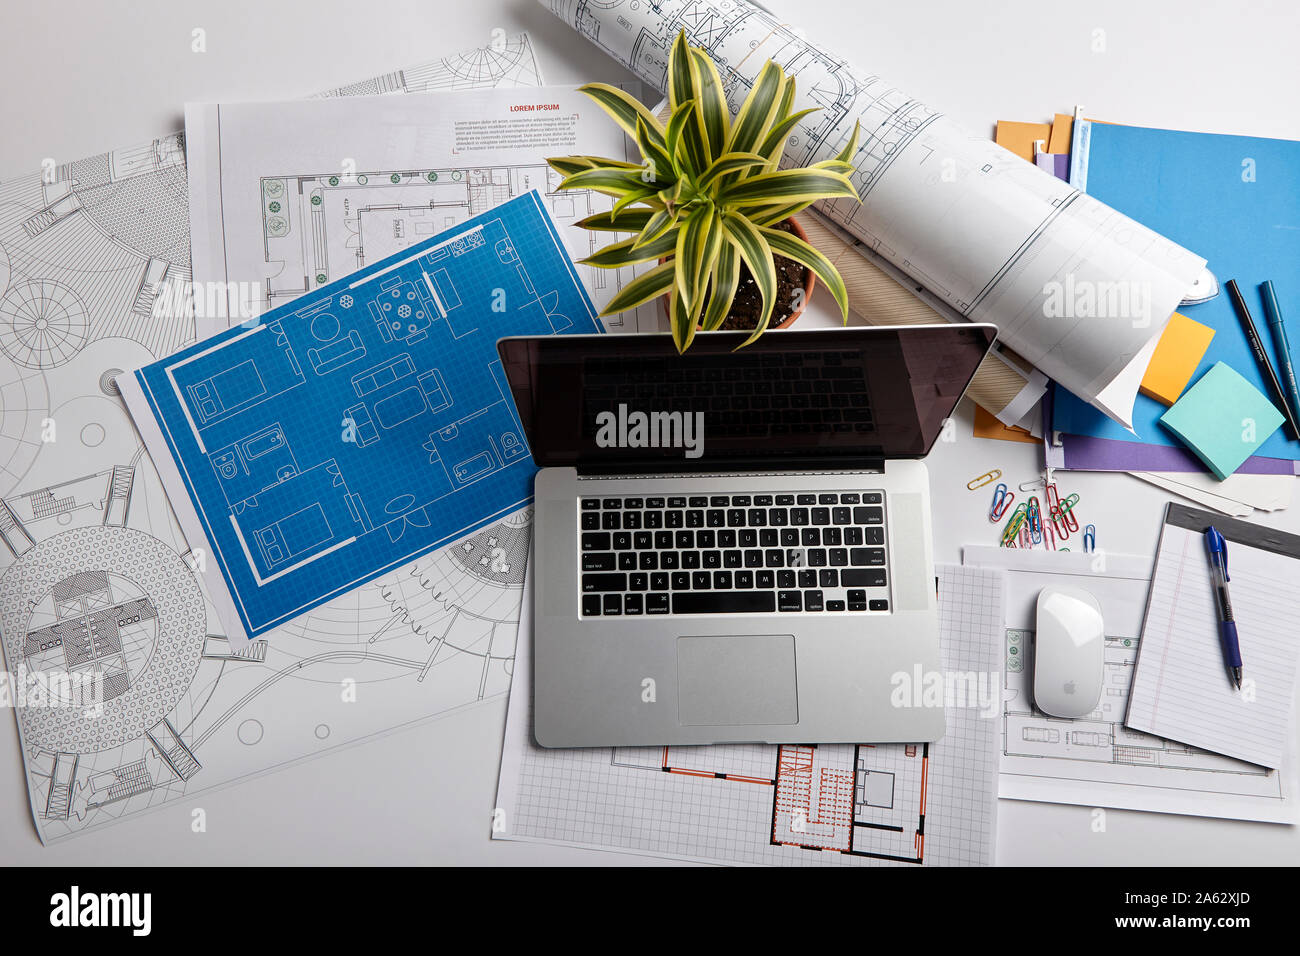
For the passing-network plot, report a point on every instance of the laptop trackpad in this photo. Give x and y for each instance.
(741, 679)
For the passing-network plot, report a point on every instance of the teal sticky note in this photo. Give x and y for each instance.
(1223, 418)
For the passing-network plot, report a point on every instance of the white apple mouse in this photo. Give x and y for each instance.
(1069, 645)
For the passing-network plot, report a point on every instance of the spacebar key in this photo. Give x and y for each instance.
(723, 602)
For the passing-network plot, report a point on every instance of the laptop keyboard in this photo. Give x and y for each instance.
(729, 554)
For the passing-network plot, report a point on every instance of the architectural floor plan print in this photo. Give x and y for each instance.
(791, 805)
(863, 800)
(1096, 761)
(95, 576)
(343, 184)
(320, 227)
(1100, 737)
(507, 61)
(353, 429)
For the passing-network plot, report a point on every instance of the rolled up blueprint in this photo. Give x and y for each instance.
(1076, 288)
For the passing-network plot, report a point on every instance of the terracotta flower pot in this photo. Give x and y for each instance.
(809, 283)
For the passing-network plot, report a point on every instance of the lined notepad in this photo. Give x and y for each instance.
(1181, 689)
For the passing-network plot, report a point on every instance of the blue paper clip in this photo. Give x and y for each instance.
(1035, 520)
(1002, 499)
(1090, 538)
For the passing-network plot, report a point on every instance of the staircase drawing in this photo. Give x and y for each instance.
(173, 750)
(58, 804)
(118, 503)
(12, 533)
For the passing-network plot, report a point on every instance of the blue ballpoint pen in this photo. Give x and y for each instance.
(1218, 549)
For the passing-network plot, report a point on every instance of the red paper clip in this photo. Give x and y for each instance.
(1002, 499)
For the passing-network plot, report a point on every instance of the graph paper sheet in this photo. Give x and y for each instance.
(805, 805)
(363, 424)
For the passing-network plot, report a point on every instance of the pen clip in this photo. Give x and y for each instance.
(1218, 546)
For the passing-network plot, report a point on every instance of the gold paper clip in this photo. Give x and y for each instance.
(985, 479)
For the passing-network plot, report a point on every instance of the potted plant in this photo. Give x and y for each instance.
(709, 201)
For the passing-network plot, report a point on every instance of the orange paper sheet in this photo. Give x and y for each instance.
(987, 426)
(1020, 137)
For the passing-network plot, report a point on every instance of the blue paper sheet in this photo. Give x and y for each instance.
(1234, 200)
(369, 421)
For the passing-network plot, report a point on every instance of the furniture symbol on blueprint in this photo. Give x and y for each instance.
(401, 311)
(335, 348)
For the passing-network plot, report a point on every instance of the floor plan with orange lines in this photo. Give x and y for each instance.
(793, 805)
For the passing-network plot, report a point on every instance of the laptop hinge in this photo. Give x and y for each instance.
(679, 467)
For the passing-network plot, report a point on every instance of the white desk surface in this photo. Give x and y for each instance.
(86, 76)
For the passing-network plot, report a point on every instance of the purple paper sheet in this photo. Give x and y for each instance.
(1058, 164)
(1086, 453)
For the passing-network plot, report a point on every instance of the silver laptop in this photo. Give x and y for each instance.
(734, 545)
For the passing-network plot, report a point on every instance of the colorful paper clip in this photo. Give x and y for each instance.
(1065, 518)
(1090, 538)
(1002, 499)
(1035, 520)
(985, 479)
(1014, 524)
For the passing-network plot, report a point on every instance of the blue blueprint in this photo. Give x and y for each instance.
(369, 421)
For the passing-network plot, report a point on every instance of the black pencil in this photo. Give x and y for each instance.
(1261, 357)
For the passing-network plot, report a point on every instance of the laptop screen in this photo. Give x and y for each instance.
(632, 401)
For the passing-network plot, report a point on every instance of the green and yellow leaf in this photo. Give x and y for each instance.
(714, 112)
(647, 195)
(722, 287)
(676, 122)
(627, 253)
(697, 247)
(787, 186)
(568, 165)
(683, 85)
(757, 112)
(792, 247)
(846, 154)
(757, 254)
(774, 143)
(611, 182)
(771, 215)
(627, 220)
(727, 163)
(656, 225)
(660, 165)
(680, 321)
(624, 108)
(642, 289)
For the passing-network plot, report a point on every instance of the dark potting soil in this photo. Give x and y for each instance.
(748, 304)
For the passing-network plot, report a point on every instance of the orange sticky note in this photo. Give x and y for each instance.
(1020, 137)
(1181, 347)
